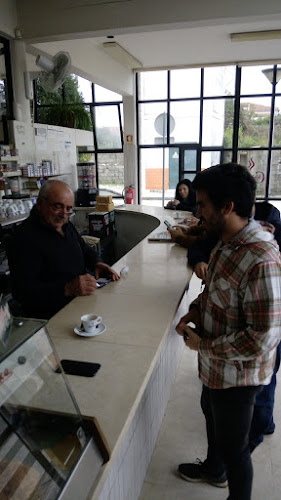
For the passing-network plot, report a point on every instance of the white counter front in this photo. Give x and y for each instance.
(138, 353)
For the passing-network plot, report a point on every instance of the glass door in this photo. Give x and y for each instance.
(188, 161)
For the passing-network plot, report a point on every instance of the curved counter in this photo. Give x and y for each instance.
(138, 352)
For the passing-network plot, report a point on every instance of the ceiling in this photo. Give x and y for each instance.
(194, 41)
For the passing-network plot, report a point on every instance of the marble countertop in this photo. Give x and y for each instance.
(138, 312)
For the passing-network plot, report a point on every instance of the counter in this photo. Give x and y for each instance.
(138, 352)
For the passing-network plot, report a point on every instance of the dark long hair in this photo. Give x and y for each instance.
(191, 199)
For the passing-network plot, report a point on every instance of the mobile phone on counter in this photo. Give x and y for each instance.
(81, 368)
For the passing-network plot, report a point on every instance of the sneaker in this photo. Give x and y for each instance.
(197, 473)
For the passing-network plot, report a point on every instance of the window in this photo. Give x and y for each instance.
(81, 104)
(6, 94)
(202, 112)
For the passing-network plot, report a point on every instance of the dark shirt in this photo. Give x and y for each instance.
(42, 261)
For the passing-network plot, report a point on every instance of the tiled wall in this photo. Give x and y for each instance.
(125, 472)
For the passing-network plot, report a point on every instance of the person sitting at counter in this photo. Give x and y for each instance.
(185, 197)
(48, 259)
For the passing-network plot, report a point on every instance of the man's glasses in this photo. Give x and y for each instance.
(60, 207)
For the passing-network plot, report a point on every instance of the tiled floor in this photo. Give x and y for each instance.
(182, 438)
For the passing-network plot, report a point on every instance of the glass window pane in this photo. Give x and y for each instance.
(187, 118)
(105, 95)
(218, 122)
(219, 81)
(190, 177)
(72, 116)
(149, 128)
(185, 83)
(210, 158)
(277, 122)
(85, 89)
(254, 121)
(44, 97)
(107, 127)
(2, 97)
(111, 175)
(72, 93)
(2, 84)
(153, 85)
(253, 81)
(256, 162)
(275, 175)
(190, 159)
(153, 163)
(278, 85)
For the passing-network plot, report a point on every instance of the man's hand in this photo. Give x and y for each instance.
(101, 267)
(84, 284)
(193, 316)
(201, 270)
(191, 339)
(175, 233)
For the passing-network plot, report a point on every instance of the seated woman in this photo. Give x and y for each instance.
(185, 198)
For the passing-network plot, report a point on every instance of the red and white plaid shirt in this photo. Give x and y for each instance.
(240, 311)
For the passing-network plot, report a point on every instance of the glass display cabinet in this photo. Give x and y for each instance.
(47, 449)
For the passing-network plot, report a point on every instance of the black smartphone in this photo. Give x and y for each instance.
(103, 281)
(82, 368)
(168, 224)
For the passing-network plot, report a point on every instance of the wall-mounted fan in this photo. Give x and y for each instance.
(55, 71)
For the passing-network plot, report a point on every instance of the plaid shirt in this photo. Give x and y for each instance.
(240, 311)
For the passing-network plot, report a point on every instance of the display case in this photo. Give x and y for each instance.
(48, 450)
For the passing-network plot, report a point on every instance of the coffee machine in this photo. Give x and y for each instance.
(87, 187)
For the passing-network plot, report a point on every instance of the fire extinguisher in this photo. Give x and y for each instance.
(129, 194)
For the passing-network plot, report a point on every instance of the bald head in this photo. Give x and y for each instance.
(53, 186)
(54, 203)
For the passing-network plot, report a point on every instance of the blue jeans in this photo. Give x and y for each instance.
(262, 422)
(228, 414)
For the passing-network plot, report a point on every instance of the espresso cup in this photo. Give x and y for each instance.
(90, 322)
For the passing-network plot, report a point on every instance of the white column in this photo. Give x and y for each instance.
(130, 147)
(18, 62)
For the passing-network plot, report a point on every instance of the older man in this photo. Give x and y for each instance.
(48, 259)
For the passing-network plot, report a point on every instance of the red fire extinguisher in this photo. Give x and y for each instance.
(129, 195)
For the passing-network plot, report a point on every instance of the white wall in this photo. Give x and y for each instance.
(37, 142)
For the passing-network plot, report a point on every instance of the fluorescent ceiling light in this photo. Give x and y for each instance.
(122, 55)
(252, 36)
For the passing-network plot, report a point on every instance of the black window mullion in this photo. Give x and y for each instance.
(236, 117)
(120, 125)
(270, 135)
(137, 134)
(35, 102)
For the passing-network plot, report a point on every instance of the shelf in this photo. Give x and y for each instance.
(14, 173)
(39, 176)
(5, 159)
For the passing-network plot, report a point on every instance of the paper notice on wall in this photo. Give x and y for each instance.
(41, 139)
(60, 141)
(52, 133)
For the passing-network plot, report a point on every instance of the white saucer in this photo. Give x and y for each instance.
(101, 328)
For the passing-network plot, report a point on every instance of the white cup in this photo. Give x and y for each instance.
(178, 215)
(90, 322)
